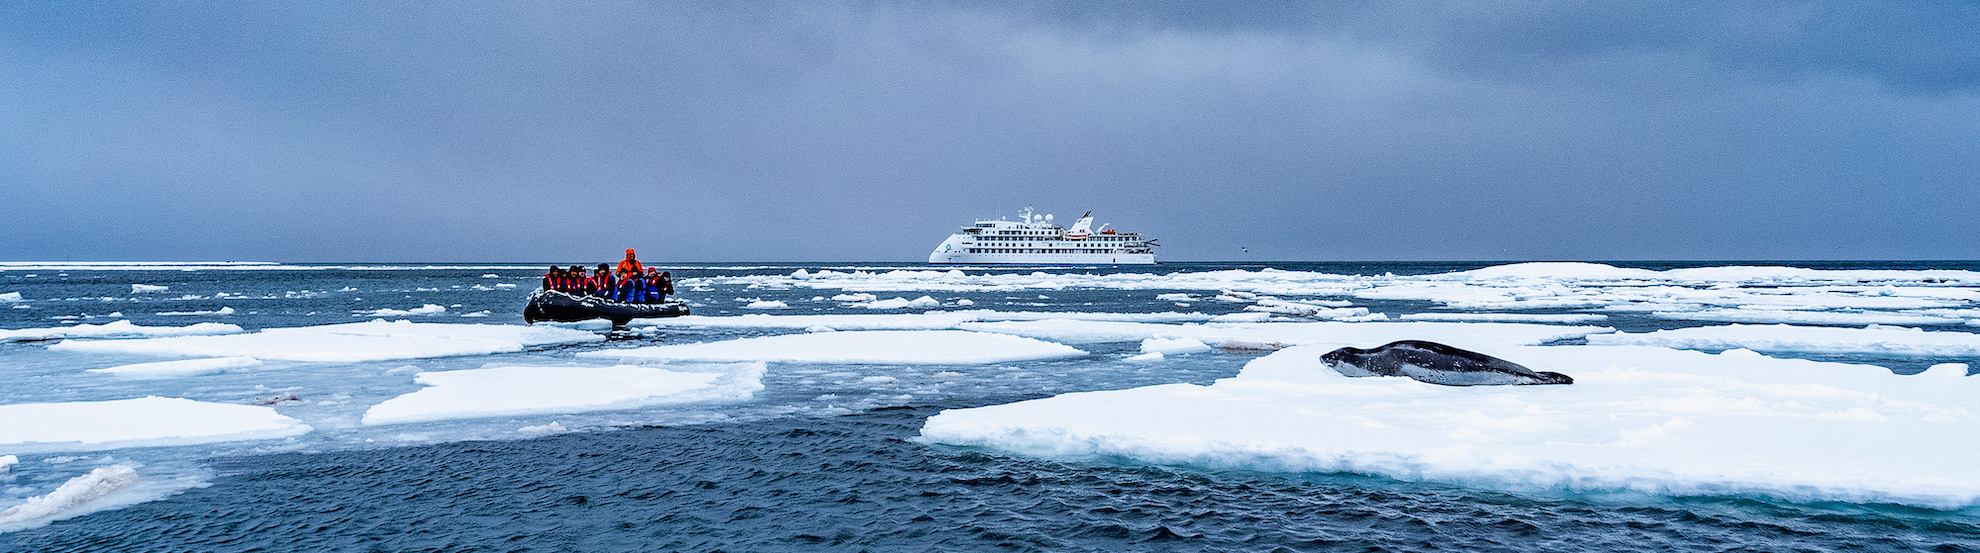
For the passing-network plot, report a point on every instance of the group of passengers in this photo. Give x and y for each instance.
(630, 283)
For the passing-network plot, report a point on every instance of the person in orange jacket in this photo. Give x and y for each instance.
(630, 267)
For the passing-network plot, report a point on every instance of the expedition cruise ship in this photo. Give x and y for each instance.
(1035, 240)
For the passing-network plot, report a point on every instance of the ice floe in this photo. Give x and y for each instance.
(141, 422)
(220, 311)
(183, 367)
(71, 496)
(350, 342)
(428, 309)
(1562, 318)
(929, 320)
(115, 329)
(532, 390)
(1637, 418)
(1751, 292)
(1805, 317)
(1332, 333)
(1881, 340)
(1173, 346)
(143, 288)
(943, 347)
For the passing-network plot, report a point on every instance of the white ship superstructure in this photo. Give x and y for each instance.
(1033, 239)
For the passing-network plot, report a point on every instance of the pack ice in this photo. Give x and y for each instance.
(353, 342)
(946, 347)
(140, 422)
(1637, 418)
(530, 390)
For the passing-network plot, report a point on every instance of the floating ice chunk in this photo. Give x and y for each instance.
(531, 390)
(504, 285)
(350, 342)
(552, 428)
(12, 296)
(923, 302)
(879, 380)
(491, 275)
(1247, 317)
(965, 302)
(947, 347)
(186, 367)
(855, 298)
(220, 311)
(115, 329)
(142, 422)
(481, 313)
(7, 462)
(1804, 317)
(428, 309)
(1149, 357)
(1173, 346)
(1881, 340)
(1945, 370)
(1565, 318)
(142, 288)
(769, 304)
(1637, 418)
(1174, 297)
(72, 495)
(1336, 334)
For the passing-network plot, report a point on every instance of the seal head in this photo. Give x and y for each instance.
(1436, 364)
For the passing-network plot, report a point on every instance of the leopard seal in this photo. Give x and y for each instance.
(1437, 364)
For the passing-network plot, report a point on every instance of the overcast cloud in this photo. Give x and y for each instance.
(867, 131)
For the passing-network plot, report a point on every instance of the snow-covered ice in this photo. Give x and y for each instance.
(116, 329)
(351, 342)
(180, 368)
(1637, 418)
(530, 390)
(944, 347)
(928, 320)
(766, 304)
(11, 297)
(1883, 340)
(428, 309)
(1336, 334)
(1174, 346)
(142, 288)
(1563, 318)
(140, 422)
(72, 495)
(220, 311)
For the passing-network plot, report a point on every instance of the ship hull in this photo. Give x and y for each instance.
(553, 305)
(967, 258)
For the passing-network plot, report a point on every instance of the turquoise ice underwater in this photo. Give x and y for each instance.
(1763, 406)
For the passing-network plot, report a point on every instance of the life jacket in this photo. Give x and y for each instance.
(630, 267)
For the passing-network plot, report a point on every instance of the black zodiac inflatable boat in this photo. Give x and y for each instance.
(554, 305)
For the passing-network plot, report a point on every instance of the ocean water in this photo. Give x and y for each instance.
(824, 457)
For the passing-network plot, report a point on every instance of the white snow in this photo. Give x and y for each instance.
(1804, 317)
(11, 297)
(927, 320)
(428, 309)
(115, 329)
(923, 302)
(1568, 318)
(350, 342)
(855, 298)
(1332, 333)
(1173, 346)
(141, 422)
(1882, 340)
(142, 288)
(531, 390)
(184, 367)
(769, 304)
(945, 347)
(74, 494)
(1637, 418)
(220, 311)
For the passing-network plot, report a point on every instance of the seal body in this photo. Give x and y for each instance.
(1437, 364)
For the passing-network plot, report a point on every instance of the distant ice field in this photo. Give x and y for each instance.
(1193, 367)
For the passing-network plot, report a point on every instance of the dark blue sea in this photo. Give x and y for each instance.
(822, 459)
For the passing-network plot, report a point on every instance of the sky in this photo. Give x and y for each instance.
(566, 131)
